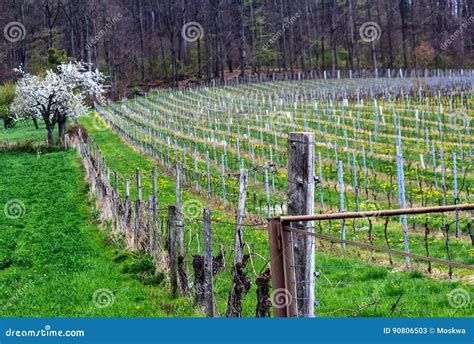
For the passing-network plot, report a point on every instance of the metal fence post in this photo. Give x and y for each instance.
(284, 298)
(290, 272)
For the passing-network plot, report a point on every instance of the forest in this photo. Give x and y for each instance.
(143, 44)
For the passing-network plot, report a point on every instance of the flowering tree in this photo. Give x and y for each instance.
(57, 96)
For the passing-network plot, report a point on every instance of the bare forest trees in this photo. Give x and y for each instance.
(140, 43)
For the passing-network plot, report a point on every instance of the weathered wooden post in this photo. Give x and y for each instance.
(154, 211)
(138, 217)
(149, 225)
(179, 205)
(115, 202)
(241, 284)
(172, 250)
(267, 190)
(239, 233)
(127, 210)
(301, 202)
(208, 273)
(224, 192)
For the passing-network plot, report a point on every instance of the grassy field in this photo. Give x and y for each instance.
(54, 260)
(24, 131)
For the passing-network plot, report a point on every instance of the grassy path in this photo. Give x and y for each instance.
(54, 261)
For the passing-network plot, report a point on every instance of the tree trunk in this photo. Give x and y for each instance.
(373, 52)
(388, 12)
(403, 14)
(62, 125)
(332, 33)
(50, 129)
(142, 48)
(242, 50)
(35, 122)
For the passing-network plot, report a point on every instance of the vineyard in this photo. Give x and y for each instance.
(380, 143)
(213, 132)
(196, 171)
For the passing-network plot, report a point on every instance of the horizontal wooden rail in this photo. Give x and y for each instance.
(376, 213)
(378, 248)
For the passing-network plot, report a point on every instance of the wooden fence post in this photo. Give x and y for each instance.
(149, 225)
(301, 202)
(138, 211)
(179, 205)
(127, 211)
(241, 283)
(239, 233)
(208, 271)
(115, 198)
(172, 250)
(154, 211)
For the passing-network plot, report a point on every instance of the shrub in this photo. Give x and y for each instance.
(74, 130)
(7, 95)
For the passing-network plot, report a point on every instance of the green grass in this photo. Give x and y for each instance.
(54, 258)
(24, 131)
(346, 283)
(349, 287)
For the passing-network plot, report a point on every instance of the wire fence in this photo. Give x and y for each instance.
(143, 225)
(345, 286)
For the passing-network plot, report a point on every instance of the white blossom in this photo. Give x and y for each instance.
(58, 95)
